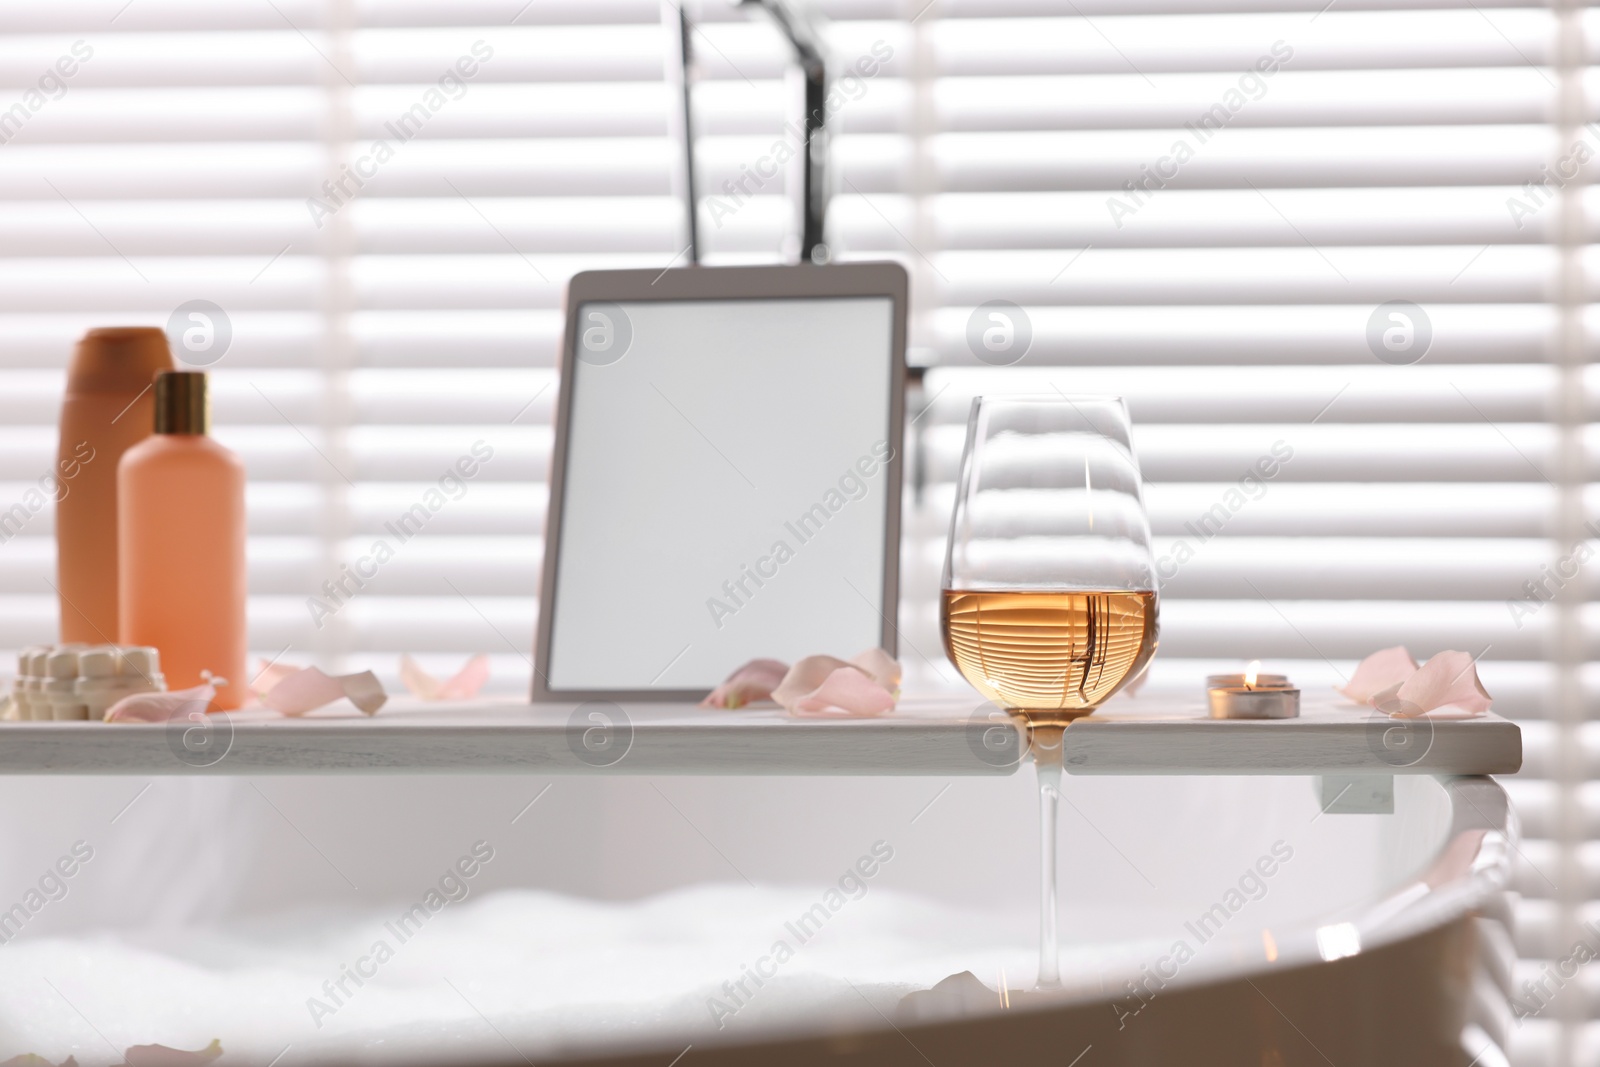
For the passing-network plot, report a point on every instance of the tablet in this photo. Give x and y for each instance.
(726, 475)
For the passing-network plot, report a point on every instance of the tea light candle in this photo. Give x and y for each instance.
(1252, 695)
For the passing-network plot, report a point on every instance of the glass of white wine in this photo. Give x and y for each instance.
(1049, 602)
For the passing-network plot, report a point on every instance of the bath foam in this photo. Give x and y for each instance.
(552, 974)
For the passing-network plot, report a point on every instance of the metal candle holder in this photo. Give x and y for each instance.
(1267, 696)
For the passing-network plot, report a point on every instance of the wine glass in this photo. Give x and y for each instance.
(1049, 599)
(1049, 602)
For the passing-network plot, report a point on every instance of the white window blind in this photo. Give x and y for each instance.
(392, 308)
(1231, 295)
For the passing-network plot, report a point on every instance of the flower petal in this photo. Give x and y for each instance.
(418, 682)
(465, 683)
(165, 1056)
(1448, 680)
(752, 682)
(1379, 671)
(882, 667)
(163, 707)
(846, 693)
(807, 676)
(309, 689)
(269, 675)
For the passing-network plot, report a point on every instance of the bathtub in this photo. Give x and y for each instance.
(638, 918)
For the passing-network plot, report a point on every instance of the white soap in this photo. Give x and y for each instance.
(36, 705)
(98, 662)
(143, 662)
(19, 697)
(74, 682)
(61, 686)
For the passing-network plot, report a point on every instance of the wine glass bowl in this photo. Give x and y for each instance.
(1049, 602)
(1052, 656)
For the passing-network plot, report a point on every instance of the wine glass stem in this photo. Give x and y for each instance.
(1047, 744)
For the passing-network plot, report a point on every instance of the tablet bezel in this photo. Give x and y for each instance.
(838, 280)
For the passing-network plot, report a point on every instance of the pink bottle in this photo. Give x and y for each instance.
(181, 543)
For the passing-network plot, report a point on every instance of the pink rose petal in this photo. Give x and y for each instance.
(269, 675)
(881, 667)
(418, 682)
(165, 1056)
(1448, 680)
(817, 686)
(309, 689)
(752, 682)
(162, 707)
(464, 685)
(1386, 696)
(1380, 671)
(846, 693)
(807, 676)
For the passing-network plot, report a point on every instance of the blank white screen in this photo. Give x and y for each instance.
(691, 459)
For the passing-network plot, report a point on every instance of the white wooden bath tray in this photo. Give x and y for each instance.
(926, 736)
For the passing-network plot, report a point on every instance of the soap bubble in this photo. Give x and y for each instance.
(197, 738)
(1399, 332)
(994, 738)
(604, 333)
(1399, 741)
(599, 733)
(199, 333)
(999, 333)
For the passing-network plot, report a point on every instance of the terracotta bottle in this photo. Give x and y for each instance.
(107, 410)
(181, 532)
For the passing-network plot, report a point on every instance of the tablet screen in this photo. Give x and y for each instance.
(725, 488)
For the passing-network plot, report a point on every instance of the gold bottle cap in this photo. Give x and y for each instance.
(183, 404)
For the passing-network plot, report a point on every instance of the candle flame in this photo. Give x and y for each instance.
(1250, 673)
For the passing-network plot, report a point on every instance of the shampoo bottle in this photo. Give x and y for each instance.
(106, 411)
(181, 534)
